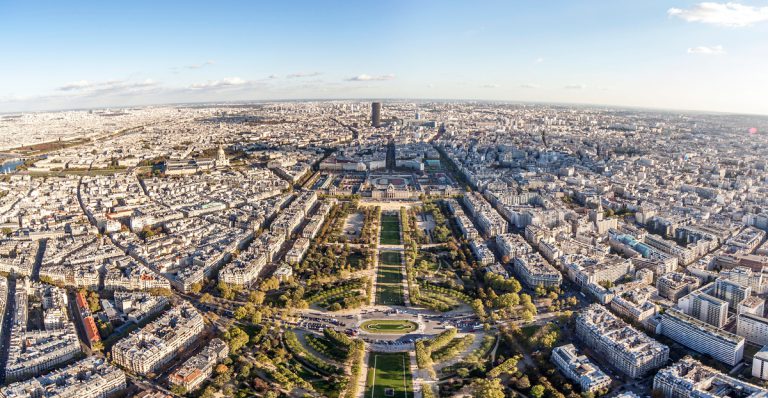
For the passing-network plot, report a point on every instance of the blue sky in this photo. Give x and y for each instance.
(661, 54)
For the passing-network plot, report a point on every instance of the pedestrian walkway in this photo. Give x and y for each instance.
(362, 380)
(417, 379)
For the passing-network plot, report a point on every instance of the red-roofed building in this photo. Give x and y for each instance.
(82, 303)
(91, 329)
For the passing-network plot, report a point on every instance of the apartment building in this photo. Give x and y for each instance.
(730, 291)
(146, 350)
(579, 369)
(629, 350)
(689, 378)
(674, 285)
(533, 270)
(92, 377)
(705, 307)
(760, 364)
(752, 327)
(195, 370)
(702, 337)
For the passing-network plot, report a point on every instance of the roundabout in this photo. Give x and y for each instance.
(388, 326)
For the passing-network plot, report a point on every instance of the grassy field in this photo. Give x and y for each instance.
(389, 372)
(389, 275)
(395, 326)
(389, 278)
(390, 229)
(389, 295)
(391, 258)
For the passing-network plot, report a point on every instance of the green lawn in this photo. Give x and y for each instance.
(390, 229)
(387, 274)
(398, 326)
(389, 295)
(389, 371)
(389, 279)
(390, 258)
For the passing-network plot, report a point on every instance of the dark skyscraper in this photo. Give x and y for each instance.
(376, 114)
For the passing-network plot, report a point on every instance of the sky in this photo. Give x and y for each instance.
(671, 54)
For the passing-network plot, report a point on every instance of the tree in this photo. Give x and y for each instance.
(507, 300)
(538, 391)
(196, 287)
(256, 297)
(236, 338)
(93, 302)
(549, 339)
(523, 383)
(206, 298)
(270, 283)
(606, 284)
(225, 290)
(477, 306)
(488, 388)
(178, 390)
(527, 316)
(240, 313)
(221, 368)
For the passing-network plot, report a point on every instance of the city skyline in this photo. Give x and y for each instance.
(703, 56)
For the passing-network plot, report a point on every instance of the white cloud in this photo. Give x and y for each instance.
(369, 78)
(576, 86)
(302, 74)
(539, 60)
(214, 84)
(704, 50)
(529, 85)
(198, 66)
(490, 86)
(729, 14)
(72, 86)
(85, 87)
